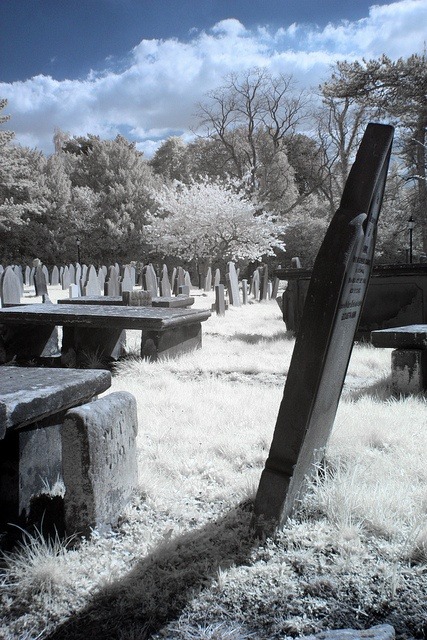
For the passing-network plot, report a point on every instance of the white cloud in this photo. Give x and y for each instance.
(155, 94)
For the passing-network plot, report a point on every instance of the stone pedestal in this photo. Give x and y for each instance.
(99, 461)
(409, 371)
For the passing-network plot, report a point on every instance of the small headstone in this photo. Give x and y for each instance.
(105, 270)
(217, 278)
(150, 277)
(132, 271)
(180, 279)
(296, 263)
(139, 298)
(165, 287)
(126, 283)
(255, 284)
(112, 285)
(46, 273)
(208, 280)
(54, 278)
(84, 273)
(72, 273)
(275, 288)
(18, 272)
(27, 276)
(219, 300)
(40, 283)
(233, 285)
(10, 287)
(173, 278)
(187, 279)
(92, 287)
(184, 290)
(245, 291)
(325, 338)
(263, 276)
(101, 279)
(66, 279)
(74, 291)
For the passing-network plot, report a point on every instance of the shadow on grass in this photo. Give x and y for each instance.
(380, 390)
(158, 588)
(255, 338)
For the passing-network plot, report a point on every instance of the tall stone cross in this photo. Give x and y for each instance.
(325, 338)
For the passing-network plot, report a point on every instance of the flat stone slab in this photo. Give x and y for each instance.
(107, 316)
(170, 302)
(413, 336)
(28, 394)
(379, 632)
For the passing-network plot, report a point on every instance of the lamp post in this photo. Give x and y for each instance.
(410, 227)
(78, 249)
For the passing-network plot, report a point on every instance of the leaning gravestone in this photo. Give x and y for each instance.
(233, 285)
(208, 280)
(165, 287)
(325, 339)
(40, 283)
(255, 284)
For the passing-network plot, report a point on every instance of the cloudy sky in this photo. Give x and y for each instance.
(138, 67)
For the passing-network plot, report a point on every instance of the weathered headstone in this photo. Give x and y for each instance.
(112, 285)
(208, 280)
(245, 291)
(73, 291)
(217, 277)
(40, 283)
(296, 263)
(219, 300)
(18, 272)
(173, 278)
(325, 339)
(54, 279)
(255, 284)
(150, 277)
(65, 278)
(27, 275)
(233, 285)
(92, 287)
(101, 279)
(165, 287)
(84, 273)
(126, 283)
(10, 287)
(72, 273)
(46, 273)
(263, 273)
(179, 280)
(187, 279)
(275, 288)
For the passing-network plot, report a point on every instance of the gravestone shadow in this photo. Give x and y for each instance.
(256, 338)
(158, 588)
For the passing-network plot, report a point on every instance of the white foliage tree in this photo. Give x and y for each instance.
(211, 220)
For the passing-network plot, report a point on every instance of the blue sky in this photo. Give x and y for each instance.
(138, 67)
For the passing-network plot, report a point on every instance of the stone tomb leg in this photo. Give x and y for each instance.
(81, 345)
(325, 338)
(171, 342)
(25, 343)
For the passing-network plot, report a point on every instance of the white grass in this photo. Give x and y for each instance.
(181, 565)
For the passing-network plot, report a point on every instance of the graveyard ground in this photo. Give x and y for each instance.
(180, 564)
